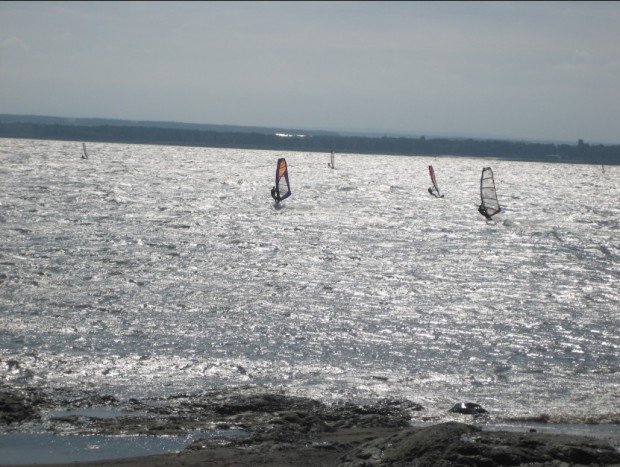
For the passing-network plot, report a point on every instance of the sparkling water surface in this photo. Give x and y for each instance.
(152, 270)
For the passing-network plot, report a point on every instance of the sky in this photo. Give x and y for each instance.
(536, 71)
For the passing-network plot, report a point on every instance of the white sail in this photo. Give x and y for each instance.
(84, 153)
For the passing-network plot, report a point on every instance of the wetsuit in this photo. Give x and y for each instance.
(483, 211)
(275, 194)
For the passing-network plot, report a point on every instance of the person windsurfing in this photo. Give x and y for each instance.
(482, 210)
(433, 190)
(489, 205)
(282, 189)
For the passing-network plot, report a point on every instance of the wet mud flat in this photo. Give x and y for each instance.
(253, 426)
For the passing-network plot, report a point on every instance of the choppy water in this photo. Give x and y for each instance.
(148, 270)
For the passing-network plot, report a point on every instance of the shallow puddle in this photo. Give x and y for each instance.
(38, 448)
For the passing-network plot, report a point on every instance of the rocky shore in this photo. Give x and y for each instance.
(251, 426)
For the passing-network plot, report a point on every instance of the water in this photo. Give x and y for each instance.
(36, 448)
(153, 270)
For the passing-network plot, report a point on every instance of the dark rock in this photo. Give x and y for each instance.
(452, 444)
(382, 413)
(265, 403)
(15, 408)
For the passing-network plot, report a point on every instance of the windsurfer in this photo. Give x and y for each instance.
(275, 194)
(483, 211)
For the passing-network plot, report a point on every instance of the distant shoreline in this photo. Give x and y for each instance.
(83, 130)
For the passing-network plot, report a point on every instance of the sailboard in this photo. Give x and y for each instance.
(489, 205)
(84, 153)
(434, 190)
(332, 163)
(282, 189)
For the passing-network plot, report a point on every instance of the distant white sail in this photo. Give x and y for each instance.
(332, 164)
(84, 153)
(489, 205)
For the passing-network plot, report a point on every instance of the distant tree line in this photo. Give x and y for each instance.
(581, 152)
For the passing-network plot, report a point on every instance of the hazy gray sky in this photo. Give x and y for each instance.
(525, 70)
